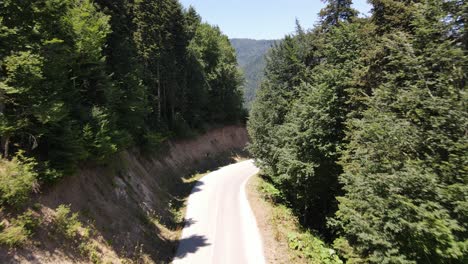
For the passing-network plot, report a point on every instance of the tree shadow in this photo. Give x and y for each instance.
(190, 245)
(197, 187)
(189, 222)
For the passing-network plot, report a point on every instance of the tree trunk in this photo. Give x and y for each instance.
(5, 146)
(164, 103)
(4, 138)
(2, 102)
(159, 92)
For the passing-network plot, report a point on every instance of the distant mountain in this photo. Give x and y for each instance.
(251, 58)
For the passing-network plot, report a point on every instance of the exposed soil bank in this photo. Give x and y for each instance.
(132, 204)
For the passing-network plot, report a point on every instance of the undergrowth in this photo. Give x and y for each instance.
(18, 179)
(70, 227)
(18, 230)
(302, 243)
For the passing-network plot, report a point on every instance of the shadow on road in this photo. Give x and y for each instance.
(189, 222)
(190, 245)
(197, 187)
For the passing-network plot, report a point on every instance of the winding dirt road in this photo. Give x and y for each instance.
(220, 226)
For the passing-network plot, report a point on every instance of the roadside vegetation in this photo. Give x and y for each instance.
(82, 80)
(361, 126)
(89, 227)
(302, 245)
(98, 77)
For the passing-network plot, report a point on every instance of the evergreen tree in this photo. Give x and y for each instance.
(81, 80)
(130, 98)
(300, 149)
(216, 57)
(389, 15)
(404, 167)
(380, 105)
(337, 11)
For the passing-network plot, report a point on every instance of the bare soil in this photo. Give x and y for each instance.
(133, 204)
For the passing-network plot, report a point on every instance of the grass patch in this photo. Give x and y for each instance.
(303, 245)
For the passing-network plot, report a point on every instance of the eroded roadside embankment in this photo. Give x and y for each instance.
(131, 207)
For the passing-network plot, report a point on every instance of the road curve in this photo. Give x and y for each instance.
(220, 225)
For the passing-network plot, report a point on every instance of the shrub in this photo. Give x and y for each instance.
(13, 236)
(270, 192)
(89, 249)
(153, 141)
(17, 179)
(312, 248)
(68, 224)
(19, 230)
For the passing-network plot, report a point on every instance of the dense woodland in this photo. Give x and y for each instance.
(251, 56)
(361, 124)
(82, 79)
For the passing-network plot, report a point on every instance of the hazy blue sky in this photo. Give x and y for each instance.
(261, 19)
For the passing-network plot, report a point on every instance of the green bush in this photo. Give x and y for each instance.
(68, 224)
(19, 230)
(270, 192)
(13, 236)
(89, 249)
(17, 179)
(152, 141)
(312, 248)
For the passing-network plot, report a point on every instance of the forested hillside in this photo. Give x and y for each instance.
(81, 80)
(251, 55)
(361, 124)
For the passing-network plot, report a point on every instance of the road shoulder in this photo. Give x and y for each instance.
(274, 243)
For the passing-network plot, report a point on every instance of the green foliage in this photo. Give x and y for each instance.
(18, 178)
(297, 123)
(303, 244)
(153, 141)
(18, 231)
(68, 224)
(81, 80)
(403, 158)
(371, 114)
(336, 12)
(90, 250)
(13, 236)
(312, 248)
(214, 54)
(251, 55)
(270, 192)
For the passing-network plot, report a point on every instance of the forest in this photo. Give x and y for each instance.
(361, 124)
(251, 58)
(81, 80)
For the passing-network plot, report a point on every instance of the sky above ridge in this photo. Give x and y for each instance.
(262, 19)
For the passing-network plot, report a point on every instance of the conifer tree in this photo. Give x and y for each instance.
(336, 11)
(404, 167)
(93, 78)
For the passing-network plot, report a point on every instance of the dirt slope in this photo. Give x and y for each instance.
(131, 204)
